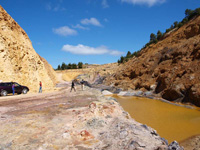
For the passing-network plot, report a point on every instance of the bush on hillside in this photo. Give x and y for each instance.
(124, 59)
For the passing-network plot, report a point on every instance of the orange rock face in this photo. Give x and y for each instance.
(19, 61)
(172, 65)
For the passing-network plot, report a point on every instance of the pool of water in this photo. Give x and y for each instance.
(171, 122)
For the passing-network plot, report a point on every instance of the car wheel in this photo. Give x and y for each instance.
(24, 91)
(4, 93)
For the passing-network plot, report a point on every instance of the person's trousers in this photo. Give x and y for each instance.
(73, 88)
(13, 91)
(40, 90)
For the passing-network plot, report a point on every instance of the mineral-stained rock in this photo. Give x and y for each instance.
(171, 94)
(175, 146)
(19, 61)
(194, 94)
(172, 65)
(192, 143)
(55, 123)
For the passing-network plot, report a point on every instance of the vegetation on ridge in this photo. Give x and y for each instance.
(70, 66)
(189, 15)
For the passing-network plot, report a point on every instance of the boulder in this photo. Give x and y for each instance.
(194, 94)
(122, 93)
(105, 92)
(175, 146)
(148, 93)
(172, 94)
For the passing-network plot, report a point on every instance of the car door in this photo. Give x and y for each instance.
(17, 88)
(8, 87)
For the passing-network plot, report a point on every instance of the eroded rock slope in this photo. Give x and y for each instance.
(19, 61)
(172, 66)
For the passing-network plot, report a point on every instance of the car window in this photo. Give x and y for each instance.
(16, 84)
(8, 84)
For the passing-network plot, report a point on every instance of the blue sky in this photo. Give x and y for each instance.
(93, 31)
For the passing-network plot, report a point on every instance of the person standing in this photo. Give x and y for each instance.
(40, 89)
(13, 88)
(73, 86)
(82, 84)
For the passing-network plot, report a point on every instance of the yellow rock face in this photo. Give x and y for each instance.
(18, 60)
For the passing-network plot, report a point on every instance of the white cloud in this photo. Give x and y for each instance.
(91, 21)
(58, 8)
(146, 2)
(86, 50)
(65, 31)
(78, 26)
(105, 4)
(55, 7)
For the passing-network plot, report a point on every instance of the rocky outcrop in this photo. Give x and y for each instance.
(172, 65)
(19, 61)
(83, 120)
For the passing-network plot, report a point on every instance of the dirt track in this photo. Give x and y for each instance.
(26, 120)
(20, 104)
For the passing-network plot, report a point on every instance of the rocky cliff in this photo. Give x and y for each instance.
(171, 68)
(19, 61)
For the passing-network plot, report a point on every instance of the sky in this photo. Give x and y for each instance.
(93, 31)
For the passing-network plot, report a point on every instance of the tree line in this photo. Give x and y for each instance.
(127, 57)
(70, 66)
(189, 14)
(154, 38)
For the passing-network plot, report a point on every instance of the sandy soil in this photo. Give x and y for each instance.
(192, 143)
(68, 75)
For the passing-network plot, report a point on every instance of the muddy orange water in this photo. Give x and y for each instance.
(171, 122)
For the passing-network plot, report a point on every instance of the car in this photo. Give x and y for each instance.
(6, 88)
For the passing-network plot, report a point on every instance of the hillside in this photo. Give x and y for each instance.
(19, 61)
(89, 72)
(171, 67)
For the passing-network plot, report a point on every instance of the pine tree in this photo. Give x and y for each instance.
(63, 66)
(122, 59)
(80, 65)
(188, 12)
(59, 68)
(159, 35)
(175, 24)
(152, 37)
(119, 62)
(69, 66)
(74, 66)
(128, 55)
